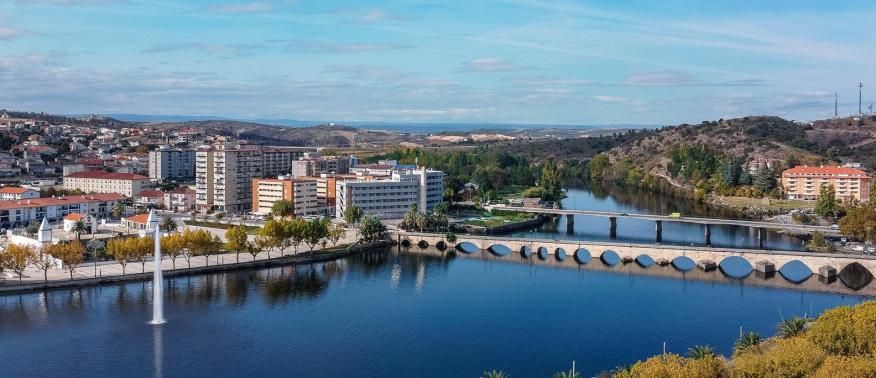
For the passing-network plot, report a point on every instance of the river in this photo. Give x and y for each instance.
(386, 314)
(642, 231)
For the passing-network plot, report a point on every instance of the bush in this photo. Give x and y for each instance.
(792, 357)
(838, 366)
(834, 331)
(673, 365)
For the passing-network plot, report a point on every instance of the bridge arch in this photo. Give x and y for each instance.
(406, 243)
(855, 276)
(499, 250)
(684, 264)
(441, 245)
(610, 258)
(560, 254)
(543, 253)
(467, 247)
(582, 255)
(644, 261)
(795, 271)
(526, 252)
(735, 267)
(423, 244)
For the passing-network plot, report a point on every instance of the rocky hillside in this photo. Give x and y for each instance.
(759, 139)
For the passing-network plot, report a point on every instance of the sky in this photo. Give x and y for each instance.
(496, 61)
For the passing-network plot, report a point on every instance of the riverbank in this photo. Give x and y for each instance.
(509, 227)
(200, 267)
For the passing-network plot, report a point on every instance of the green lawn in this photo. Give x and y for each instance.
(252, 230)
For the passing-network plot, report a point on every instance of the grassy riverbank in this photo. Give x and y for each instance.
(252, 230)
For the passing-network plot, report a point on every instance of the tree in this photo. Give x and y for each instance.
(18, 257)
(200, 243)
(764, 179)
(859, 223)
(44, 260)
(71, 255)
(372, 229)
(172, 246)
(118, 210)
(550, 180)
(352, 214)
(168, 224)
(494, 374)
(78, 228)
(598, 164)
(826, 204)
(260, 243)
(314, 231)
(32, 228)
(273, 234)
(219, 217)
(336, 232)
(142, 248)
(283, 208)
(4, 262)
(236, 240)
(732, 172)
(792, 161)
(120, 252)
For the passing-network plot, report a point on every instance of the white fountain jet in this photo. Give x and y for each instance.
(157, 292)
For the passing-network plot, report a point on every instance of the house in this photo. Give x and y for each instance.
(179, 199)
(71, 219)
(136, 222)
(17, 193)
(149, 199)
(805, 183)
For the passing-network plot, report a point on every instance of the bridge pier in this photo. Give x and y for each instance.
(761, 235)
(570, 223)
(658, 229)
(612, 227)
(708, 235)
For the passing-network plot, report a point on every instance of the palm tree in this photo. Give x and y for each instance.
(167, 224)
(700, 352)
(118, 210)
(792, 327)
(494, 374)
(747, 341)
(78, 228)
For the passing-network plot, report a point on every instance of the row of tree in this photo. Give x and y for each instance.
(17, 257)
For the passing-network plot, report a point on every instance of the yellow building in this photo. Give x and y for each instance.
(805, 183)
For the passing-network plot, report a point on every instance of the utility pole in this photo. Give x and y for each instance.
(860, 97)
(835, 104)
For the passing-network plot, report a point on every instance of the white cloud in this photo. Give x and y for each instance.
(490, 65)
(9, 32)
(659, 78)
(252, 7)
(610, 99)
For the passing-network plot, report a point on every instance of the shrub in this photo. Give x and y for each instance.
(834, 331)
(838, 366)
(673, 365)
(791, 357)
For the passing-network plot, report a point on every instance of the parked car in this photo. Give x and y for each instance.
(858, 248)
(834, 227)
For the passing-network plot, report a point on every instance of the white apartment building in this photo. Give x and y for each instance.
(179, 199)
(391, 196)
(301, 192)
(311, 166)
(127, 184)
(171, 164)
(20, 213)
(224, 174)
(17, 193)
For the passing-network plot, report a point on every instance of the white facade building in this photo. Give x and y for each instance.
(391, 196)
(127, 184)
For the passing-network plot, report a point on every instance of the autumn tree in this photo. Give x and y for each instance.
(118, 249)
(336, 232)
(826, 204)
(172, 246)
(44, 260)
(71, 255)
(18, 257)
(859, 223)
(236, 240)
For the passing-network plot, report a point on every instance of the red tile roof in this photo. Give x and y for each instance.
(74, 217)
(68, 200)
(151, 194)
(824, 171)
(139, 218)
(107, 175)
(13, 190)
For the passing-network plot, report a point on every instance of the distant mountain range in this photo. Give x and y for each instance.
(409, 127)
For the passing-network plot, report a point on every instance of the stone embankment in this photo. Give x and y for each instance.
(12, 286)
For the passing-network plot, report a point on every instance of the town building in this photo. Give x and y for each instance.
(391, 196)
(17, 193)
(301, 192)
(179, 199)
(128, 184)
(149, 199)
(71, 219)
(315, 165)
(19, 213)
(805, 183)
(171, 164)
(224, 174)
(137, 222)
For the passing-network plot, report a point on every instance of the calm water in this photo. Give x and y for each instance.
(642, 231)
(390, 313)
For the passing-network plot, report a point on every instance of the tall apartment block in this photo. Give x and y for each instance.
(224, 174)
(391, 196)
(171, 164)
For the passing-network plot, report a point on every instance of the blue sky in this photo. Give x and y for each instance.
(512, 61)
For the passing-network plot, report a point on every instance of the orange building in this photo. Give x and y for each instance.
(301, 192)
(805, 183)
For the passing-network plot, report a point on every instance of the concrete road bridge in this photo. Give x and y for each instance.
(829, 267)
(658, 220)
